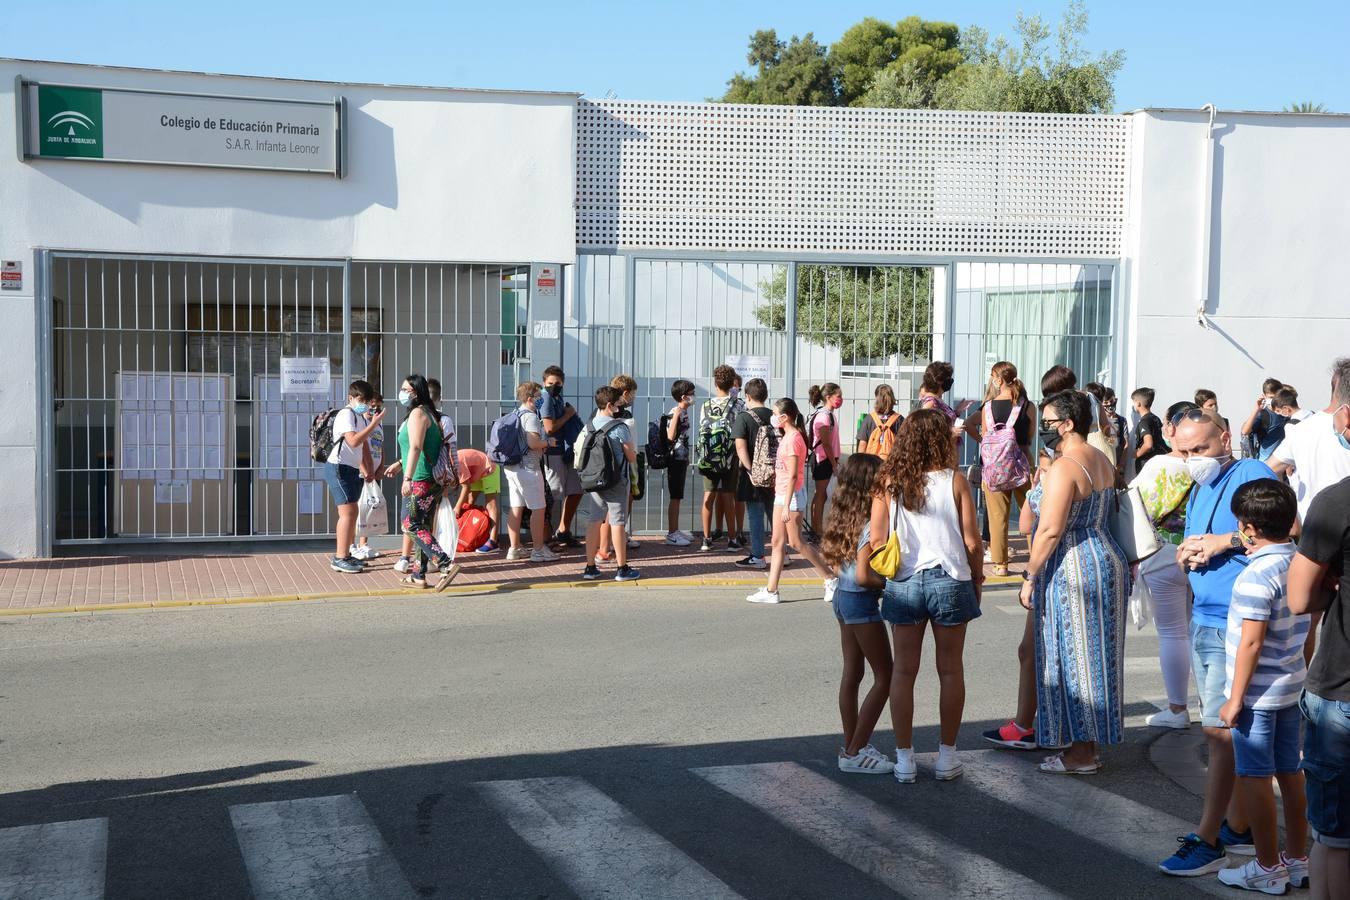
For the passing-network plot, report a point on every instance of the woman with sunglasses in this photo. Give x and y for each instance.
(1164, 483)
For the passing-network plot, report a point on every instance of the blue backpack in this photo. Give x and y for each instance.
(506, 440)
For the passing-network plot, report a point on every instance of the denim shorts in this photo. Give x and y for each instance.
(1208, 654)
(796, 503)
(1326, 763)
(1268, 741)
(344, 482)
(857, 607)
(931, 594)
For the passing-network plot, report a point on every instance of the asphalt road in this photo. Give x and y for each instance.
(604, 742)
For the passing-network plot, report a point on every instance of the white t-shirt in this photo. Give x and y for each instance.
(1318, 459)
(346, 422)
(531, 423)
(448, 432)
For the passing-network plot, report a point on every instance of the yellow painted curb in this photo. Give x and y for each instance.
(492, 588)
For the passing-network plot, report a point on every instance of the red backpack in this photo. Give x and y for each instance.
(474, 529)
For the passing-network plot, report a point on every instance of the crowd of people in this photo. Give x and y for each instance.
(1254, 535)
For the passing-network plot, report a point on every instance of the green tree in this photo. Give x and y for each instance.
(1306, 108)
(866, 312)
(871, 48)
(796, 73)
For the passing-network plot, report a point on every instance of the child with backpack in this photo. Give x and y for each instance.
(789, 502)
(362, 551)
(627, 388)
(822, 437)
(517, 444)
(671, 452)
(717, 460)
(876, 434)
(756, 450)
(1004, 427)
(605, 454)
(339, 438)
(846, 546)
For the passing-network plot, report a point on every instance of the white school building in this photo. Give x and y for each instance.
(192, 265)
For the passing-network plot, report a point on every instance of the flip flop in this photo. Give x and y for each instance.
(1054, 765)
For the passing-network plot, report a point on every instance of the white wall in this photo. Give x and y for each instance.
(457, 176)
(1280, 233)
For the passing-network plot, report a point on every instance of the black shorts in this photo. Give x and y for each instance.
(676, 476)
(722, 482)
(822, 470)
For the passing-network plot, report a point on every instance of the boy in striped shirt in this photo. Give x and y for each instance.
(1265, 675)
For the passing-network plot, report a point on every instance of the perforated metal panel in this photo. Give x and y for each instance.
(711, 176)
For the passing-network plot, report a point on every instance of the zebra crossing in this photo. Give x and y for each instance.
(597, 846)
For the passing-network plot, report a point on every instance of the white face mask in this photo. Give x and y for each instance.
(1204, 469)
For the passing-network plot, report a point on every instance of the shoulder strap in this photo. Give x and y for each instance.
(1012, 416)
(1091, 480)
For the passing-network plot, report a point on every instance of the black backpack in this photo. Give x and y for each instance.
(321, 440)
(598, 465)
(658, 443)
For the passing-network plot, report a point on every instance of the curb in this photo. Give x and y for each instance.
(490, 588)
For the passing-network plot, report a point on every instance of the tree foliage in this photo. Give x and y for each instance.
(1306, 107)
(922, 64)
(866, 312)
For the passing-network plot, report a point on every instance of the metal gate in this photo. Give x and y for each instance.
(168, 417)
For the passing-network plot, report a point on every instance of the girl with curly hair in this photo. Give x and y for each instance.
(927, 502)
(857, 606)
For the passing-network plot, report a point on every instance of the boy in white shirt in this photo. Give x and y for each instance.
(347, 467)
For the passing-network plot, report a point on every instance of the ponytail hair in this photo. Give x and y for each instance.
(788, 407)
(1006, 372)
(885, 400)
(815, 396)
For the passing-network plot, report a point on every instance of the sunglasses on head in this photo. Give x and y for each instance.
(1192, 415)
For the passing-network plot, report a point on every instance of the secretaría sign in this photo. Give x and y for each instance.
(117, 125)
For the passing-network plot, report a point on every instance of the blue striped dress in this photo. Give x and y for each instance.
(1079, 608)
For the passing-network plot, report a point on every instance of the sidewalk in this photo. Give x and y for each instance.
(188, 575)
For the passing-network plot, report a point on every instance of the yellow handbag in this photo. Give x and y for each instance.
(886, 559)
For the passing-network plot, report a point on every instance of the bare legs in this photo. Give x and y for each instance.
(863, 644)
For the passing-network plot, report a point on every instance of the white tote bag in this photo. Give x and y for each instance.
(446, 527)
(372, 513)
(1132, 527)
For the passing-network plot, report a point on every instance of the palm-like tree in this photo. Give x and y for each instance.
(1306, 108)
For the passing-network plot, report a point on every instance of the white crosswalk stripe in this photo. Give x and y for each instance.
(57, 861)
(904, 855)
(599, 848)
(320, 847)
(1139, 832)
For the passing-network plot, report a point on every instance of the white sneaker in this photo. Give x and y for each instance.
(402, 565)
(1168, 719)
(1298, 869)
(516, 553)
(1256, 877)
(831, 585)
(356, 552)
(365, 551)
(688, 538)
(763, 595)
(634, 544)
(948, 766)
(676, 539)
(544, 555)
(906, 771)
(865, 763)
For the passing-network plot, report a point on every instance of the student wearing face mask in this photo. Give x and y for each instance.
(1264, 429)
(1316, 453)
(563, 424)
(1213, 555)
(348, 465)
(627, 388)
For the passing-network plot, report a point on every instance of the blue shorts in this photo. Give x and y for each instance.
(344, 482)
(857, 607)
(931, 594)
(1326, 763)
(1267, 741)
(1208, 655)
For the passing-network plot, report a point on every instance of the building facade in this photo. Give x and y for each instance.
(181, 307)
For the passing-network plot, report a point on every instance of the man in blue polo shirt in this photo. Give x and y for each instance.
(1213, 555)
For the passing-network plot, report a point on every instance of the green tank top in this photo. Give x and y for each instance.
(431, 449)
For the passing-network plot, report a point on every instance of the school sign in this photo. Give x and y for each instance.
(160, 128)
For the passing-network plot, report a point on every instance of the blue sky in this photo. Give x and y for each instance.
(1236, 54)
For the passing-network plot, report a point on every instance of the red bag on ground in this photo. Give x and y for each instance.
(474, 529)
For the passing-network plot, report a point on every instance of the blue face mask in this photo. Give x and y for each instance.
(404, 399)
(1340, 435)
(361, 408)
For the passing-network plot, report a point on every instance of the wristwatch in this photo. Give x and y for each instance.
(1235, 542)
